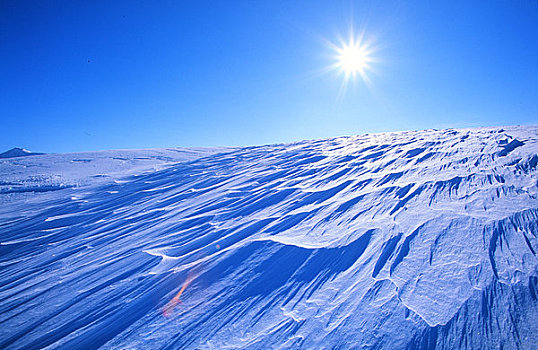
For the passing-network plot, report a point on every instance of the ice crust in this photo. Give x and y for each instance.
(408, 240)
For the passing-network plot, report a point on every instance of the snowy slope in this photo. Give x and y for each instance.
(28, 176)
(417, 240)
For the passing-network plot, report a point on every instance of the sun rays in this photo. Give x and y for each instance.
(353, 58)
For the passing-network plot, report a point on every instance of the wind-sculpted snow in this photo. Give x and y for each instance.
(418, 240)
(25, 176)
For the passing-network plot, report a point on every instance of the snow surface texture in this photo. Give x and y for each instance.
(417, 240)
(26, 176)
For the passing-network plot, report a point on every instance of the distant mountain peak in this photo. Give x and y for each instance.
(18, 152)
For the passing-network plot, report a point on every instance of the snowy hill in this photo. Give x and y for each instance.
(410, 240)
(17, 152)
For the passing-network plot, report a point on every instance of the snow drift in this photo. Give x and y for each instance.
(410, 240)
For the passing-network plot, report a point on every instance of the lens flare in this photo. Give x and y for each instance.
(169, 308)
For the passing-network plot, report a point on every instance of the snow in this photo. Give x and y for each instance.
(44, 173)
(419, 240)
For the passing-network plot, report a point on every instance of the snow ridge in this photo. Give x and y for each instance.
(417, 240)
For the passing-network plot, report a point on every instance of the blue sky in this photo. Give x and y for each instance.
(92, 75)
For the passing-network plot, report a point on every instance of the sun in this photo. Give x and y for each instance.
(352, 59)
